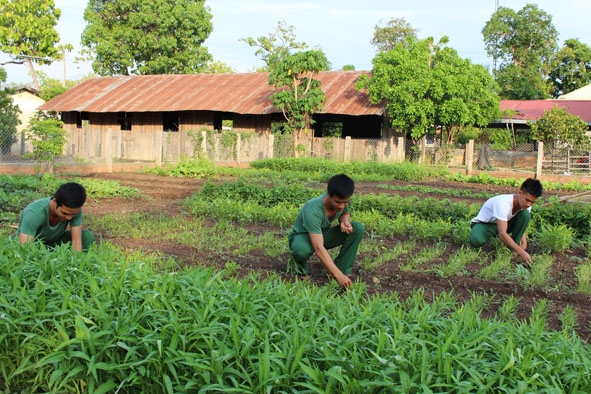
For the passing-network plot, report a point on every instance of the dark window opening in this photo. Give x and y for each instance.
(170, 121)
(222, 121)
(124, 120)
(332, 129)
(82, 119)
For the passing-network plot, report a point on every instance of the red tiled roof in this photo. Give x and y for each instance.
(246, 93)
(534, 109)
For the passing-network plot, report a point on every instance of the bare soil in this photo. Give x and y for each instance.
(165, 194)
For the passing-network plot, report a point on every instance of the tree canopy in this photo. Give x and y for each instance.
(274, 47)
(28, 34)
(558, 128)
(427, 86)
(300, 94)
(147, 37)
(396, 31)
(522, 45)
(571, 68)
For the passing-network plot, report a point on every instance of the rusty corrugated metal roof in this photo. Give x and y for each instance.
(246, 93)
(534, 109)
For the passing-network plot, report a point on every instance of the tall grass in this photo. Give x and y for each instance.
(109, 322)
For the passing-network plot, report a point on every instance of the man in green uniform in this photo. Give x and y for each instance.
(313, 232)
(47, 219)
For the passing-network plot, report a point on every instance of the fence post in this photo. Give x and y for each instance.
(469, 157)
(158, 147)
(238, 147)
(109, 149)
(204, 143)
(347, 150)
(401, 150)
(540, 161)
(270, 150)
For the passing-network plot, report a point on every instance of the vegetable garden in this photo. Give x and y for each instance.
(188, 289)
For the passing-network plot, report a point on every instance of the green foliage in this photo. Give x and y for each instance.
(187, 167)
(396, 31)
(571, 68)
(27, 29)
(105, 321)
(326, 168)
(8, 117)
(274, 47)
(300, 95)
(560, 129)
(16, 192)
(48, 138)
(51, 87)
(523, 43)
(499, 139)
(553, 220)
(467, 134)
(156, 37)
(426, 84)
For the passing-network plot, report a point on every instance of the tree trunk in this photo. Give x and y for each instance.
(33, 73)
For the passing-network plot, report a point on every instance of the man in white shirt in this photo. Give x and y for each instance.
(508, 216)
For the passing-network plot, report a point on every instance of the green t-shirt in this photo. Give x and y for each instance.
(312, 217)
(34, 221)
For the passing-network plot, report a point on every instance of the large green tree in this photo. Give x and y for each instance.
(522, 45)
(28, 34)
(300, 94)
(274, 47)
(426, 86)
(571, 68)
(395, 31)
(147, 37)
(559, 129)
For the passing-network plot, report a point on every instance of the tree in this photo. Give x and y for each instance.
(523, 43)
(397, 31)
(8, 117)
(51, 87)
(149, 37)
(571, 68)
(559, 129)
(48, 137)
(217, 67)
(299, 95)
(427, 86)
(28, 34)
(276, 46)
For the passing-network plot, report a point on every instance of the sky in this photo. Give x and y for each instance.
(342, 29)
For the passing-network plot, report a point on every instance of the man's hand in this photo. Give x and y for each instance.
(346, 227)
(343, 280)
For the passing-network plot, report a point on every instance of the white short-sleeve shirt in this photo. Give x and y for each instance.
(496, 208)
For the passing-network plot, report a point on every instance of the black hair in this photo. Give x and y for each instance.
(71, 195)
(532, 186)
(340, 186)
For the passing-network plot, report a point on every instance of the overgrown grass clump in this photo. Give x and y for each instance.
(106, 322)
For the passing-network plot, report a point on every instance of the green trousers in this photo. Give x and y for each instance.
(482, 232)
(87, 239)
(301, 248)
